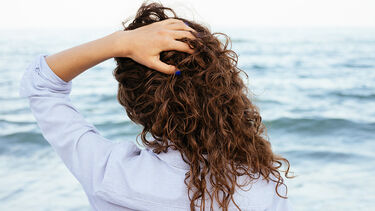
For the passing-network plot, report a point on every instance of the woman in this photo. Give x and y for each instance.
(205, 145)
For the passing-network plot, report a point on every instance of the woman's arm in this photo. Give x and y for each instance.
(47, 86)
(143, 45)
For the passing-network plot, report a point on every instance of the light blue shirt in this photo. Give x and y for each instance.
(119, 176)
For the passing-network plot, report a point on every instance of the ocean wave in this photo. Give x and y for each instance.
(360, 66)
(318, 126)
(15, 123)
(239, 40)
(360, 96)
(22, 143)
(23, 138)
(325, 155)
(110, 98)
(261, 67)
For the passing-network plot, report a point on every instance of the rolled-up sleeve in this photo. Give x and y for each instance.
(83, 150)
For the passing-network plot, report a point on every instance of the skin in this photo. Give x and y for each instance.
(143, 45)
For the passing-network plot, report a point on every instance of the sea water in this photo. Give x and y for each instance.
(315, 88)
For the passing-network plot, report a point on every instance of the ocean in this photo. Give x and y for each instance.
(315, 88)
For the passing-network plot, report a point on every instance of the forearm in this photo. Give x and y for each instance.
(143, 45)
(69, 63)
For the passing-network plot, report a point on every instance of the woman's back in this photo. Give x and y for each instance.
(138, 179)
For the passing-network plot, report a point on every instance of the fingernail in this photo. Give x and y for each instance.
(178, 72)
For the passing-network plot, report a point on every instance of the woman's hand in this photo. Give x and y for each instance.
(144, 44)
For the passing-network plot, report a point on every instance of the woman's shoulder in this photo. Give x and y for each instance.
(261, 193)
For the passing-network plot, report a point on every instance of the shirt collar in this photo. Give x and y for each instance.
(173, 158)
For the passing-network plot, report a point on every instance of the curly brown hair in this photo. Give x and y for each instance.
(204, 113)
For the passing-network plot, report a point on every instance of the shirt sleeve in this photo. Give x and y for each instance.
(83, 150)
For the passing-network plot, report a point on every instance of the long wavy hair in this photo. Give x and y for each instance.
(204, 113)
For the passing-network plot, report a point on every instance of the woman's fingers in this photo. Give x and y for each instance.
(148, 41)
(175, 24)
(182, 34)
(160, 66)
(181, 26)
(180, 46)
(174, 44)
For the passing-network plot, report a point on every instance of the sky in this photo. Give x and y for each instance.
(227, 13)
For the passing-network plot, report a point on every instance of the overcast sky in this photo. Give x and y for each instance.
(110, 13)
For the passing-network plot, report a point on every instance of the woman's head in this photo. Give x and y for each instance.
(204, 110)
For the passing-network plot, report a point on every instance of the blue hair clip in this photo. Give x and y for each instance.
(178, 72)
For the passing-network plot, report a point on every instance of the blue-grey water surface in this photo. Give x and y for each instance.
(315, 89)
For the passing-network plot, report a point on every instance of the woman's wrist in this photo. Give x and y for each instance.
(121, 43)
